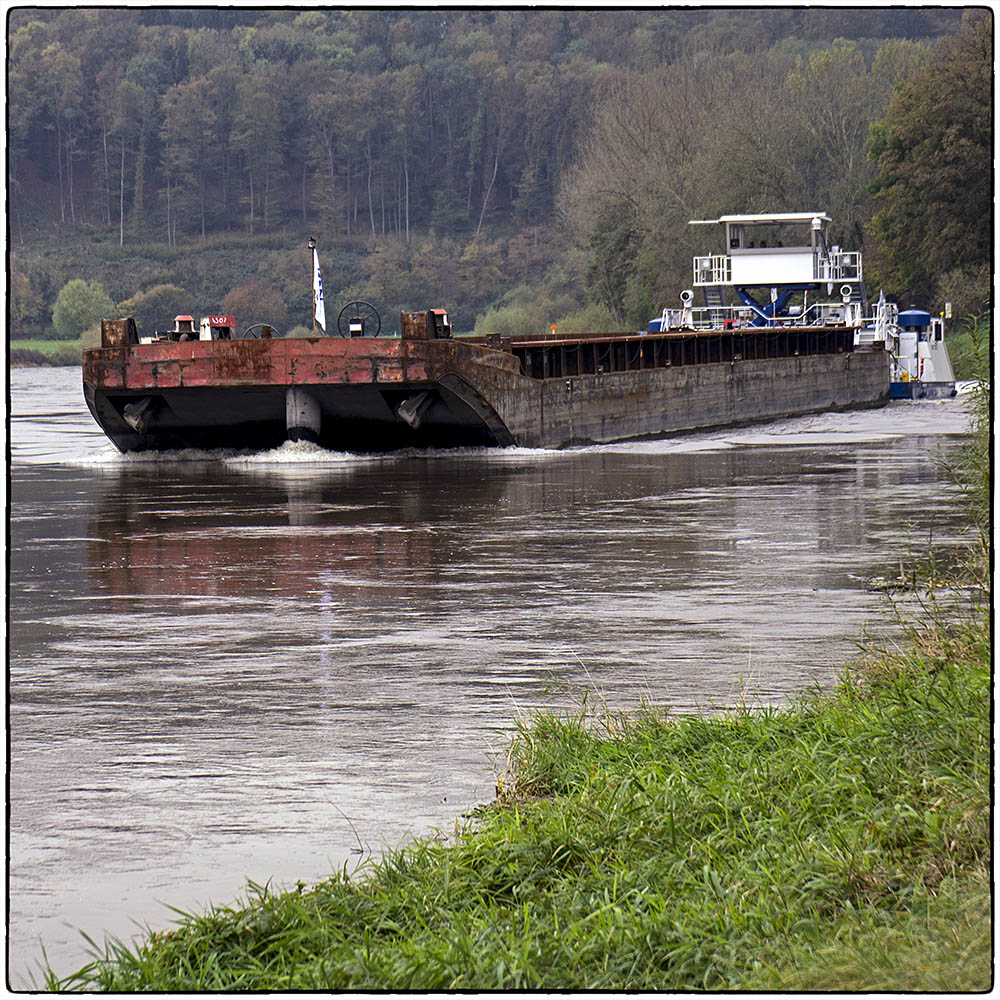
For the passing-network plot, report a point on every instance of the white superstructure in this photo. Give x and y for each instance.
(778, 249)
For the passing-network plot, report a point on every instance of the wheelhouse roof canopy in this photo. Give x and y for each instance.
(754, 219)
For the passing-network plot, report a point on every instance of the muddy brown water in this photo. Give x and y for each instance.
(269, 666)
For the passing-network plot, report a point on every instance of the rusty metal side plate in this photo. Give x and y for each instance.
(240, 362)
(104, 367)
(320, 361)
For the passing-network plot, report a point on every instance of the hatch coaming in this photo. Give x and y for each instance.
(541, 359)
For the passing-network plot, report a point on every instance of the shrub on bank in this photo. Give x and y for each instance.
(79, 305)
(28, 357)
(155, 308)
(968, 346)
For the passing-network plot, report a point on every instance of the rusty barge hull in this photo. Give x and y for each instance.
(384, 394)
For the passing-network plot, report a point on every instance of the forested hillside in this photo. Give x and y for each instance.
(518, 167)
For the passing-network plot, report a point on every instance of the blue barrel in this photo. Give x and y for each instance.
(911, 319)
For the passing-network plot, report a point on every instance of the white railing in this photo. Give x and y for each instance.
(742, 317)
(709, 317)
(841, 265)
(714, 270)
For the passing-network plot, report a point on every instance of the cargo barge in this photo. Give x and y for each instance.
(210, 387)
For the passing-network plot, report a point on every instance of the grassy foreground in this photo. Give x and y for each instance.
(842, 843)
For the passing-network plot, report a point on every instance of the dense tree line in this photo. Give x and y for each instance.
(904, 129)
(933, 189)
(373, 121)
(369, 121)
(453, 146)
(762, 132)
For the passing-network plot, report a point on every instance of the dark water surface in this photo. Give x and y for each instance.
(254, 667)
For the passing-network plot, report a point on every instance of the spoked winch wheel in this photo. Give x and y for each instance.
(257, 330)
(359, 319)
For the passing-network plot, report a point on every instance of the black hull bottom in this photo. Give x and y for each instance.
(363, 419)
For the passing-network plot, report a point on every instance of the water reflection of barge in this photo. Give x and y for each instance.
(361, 392)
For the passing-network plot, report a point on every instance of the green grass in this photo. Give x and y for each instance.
(43, 346)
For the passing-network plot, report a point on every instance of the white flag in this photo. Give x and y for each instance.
(319, 309)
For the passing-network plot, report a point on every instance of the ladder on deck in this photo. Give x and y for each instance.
(716, 302)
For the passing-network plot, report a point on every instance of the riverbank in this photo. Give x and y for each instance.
(44, 353)
(842, 843)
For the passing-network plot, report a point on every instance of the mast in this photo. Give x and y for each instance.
(312, 262)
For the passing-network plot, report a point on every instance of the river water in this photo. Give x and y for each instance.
(266, 666)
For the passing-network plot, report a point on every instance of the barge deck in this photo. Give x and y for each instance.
(424, 389)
